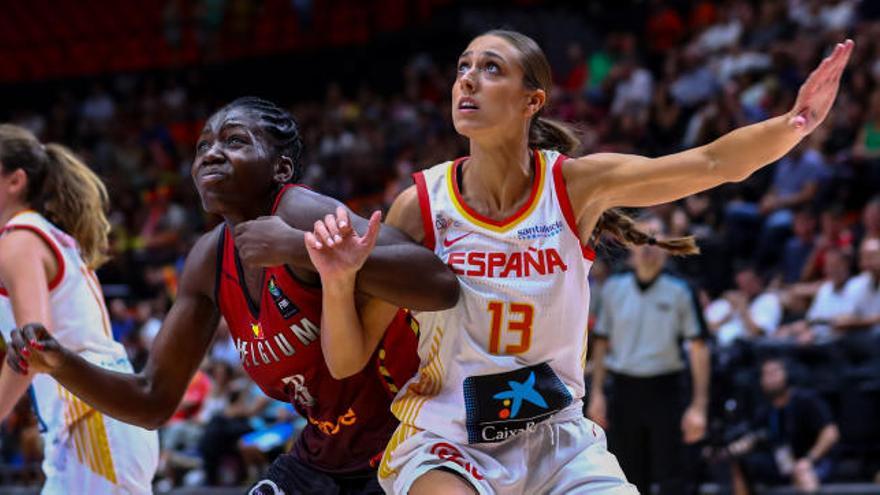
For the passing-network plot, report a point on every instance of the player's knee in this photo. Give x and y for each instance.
(437, 482)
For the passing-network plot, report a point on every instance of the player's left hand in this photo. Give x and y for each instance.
(264, 242)
(693, 424)
(336, 249)
(818, 92)
(33, 349)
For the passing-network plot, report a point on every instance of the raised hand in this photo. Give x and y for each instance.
(336, 249)
(33, 349)
(817, 94)
(264, 242)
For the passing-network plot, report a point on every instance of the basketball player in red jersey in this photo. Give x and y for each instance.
(247, 159)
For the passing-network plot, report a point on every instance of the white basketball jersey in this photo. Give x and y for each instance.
(80, 323)
(511, 353)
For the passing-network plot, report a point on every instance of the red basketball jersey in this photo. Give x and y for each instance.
(279, 344)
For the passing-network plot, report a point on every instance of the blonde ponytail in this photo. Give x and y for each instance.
(76, 200)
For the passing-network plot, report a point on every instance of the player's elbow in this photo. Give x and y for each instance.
(450, 290)
(727, 171)
(342, 367)
(154, 422)
(737, 174)
(153, 418)
(445, 293)
(342, 371)
(155, 410)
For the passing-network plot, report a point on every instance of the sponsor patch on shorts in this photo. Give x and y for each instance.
(502, 405)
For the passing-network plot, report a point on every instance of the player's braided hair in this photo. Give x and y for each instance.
(623, 228)
(279, 126)
(551, 134)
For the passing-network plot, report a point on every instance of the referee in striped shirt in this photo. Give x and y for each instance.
(644, 316)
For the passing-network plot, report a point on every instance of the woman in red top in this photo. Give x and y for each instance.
(246, 165)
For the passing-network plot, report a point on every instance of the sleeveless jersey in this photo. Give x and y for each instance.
(278, 339)
(511, 353)
(80, 323)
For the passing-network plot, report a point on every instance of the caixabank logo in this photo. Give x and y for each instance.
(502, 405)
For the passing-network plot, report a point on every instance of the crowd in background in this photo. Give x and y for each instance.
(790, 261)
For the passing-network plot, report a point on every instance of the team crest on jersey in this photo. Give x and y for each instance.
(257, 329)
(505, 404)
(284, 305)
(441, 222)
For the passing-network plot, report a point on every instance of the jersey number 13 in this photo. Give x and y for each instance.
(519, 318)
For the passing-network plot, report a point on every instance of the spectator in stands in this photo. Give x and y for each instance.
(224, 349)
(833, 298)
(870, 226)
(245, 402)
(634, 87)
(708, 75)
(867, 143)
(179, 438)
(747, 312)
(791, 437)
(798, 248)
(795, 183)
(866, 312)
(575, 77)
(833, 234)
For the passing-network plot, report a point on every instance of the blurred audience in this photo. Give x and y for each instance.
(779, 248)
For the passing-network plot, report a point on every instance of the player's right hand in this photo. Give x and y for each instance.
(33, 350)
(263, 242)
(597, 410)
(336, 249)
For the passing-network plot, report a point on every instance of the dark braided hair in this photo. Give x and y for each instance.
(623, 228)
(280, 127)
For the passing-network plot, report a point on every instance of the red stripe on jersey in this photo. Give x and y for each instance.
(281, 195)
(565, 205)
(425, 206)
(59, 258)
(533, 195)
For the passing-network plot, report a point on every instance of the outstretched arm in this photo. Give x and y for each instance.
(605, 180)
(148, 398)
(397, 270)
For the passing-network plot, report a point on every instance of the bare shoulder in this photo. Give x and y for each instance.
(406, 214)
(589, 177)
(200, 270)
(593, 166)
(17, 244)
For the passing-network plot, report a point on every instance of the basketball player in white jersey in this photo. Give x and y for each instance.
(497, 404)
(46, 276)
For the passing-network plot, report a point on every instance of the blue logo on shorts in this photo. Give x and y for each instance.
(519, 392)
(527, 396)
